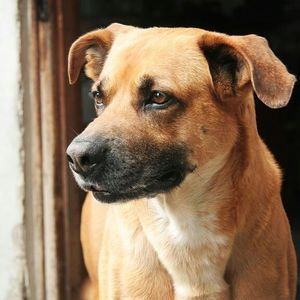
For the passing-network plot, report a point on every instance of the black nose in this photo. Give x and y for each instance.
(84, 156)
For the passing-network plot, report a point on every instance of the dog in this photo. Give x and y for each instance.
(184, 196)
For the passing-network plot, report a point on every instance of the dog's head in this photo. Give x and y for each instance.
(167, 102)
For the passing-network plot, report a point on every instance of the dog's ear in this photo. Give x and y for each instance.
(91, 50)
(235, 61)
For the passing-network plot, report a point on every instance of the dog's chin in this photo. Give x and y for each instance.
(125, 196)
(146, 190)
(111, 197)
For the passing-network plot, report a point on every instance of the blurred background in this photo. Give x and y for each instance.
(40, 250)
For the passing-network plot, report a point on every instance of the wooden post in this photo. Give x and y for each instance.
(52, 116)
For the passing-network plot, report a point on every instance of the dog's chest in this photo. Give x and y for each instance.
(189, 245)
(184, 227)
(179, 228)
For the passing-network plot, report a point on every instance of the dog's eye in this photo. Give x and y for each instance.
(159, 100)
(158, 97)
(98, 98)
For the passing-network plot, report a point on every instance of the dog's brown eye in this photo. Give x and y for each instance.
(98, 98)
(159, 97)
(159, 100)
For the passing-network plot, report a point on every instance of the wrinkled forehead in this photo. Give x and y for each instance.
(169, 57)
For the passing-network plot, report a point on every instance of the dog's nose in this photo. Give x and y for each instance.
(84, 156)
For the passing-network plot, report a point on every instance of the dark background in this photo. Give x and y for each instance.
(278, 21)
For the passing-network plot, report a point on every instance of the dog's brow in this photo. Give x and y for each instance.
(100, 86)
(146, 85)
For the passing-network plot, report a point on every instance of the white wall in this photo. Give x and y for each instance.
(12, 266)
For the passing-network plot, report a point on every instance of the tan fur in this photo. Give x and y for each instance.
(223, 233)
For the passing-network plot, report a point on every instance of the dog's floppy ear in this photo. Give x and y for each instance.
(234, 61)
(91, 49)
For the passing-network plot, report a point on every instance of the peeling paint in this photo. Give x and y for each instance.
(17, 281)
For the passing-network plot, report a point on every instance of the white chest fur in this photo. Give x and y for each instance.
(185, 233)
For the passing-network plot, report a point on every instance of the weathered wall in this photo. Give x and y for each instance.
(12, 268)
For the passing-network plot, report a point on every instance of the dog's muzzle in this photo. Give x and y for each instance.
(115, 170)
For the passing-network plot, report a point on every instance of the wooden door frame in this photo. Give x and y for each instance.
(52, 118)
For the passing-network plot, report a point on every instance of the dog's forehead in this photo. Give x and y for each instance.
(168, 54)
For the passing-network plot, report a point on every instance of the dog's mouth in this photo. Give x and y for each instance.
(95, 190)
(110, 193)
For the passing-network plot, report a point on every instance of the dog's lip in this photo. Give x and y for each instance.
(95, 189)
(102, 192)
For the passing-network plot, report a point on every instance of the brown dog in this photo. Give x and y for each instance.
(176, 130)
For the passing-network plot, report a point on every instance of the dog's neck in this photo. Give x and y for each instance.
(252, 163)
(195, 189)
(195, 200)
